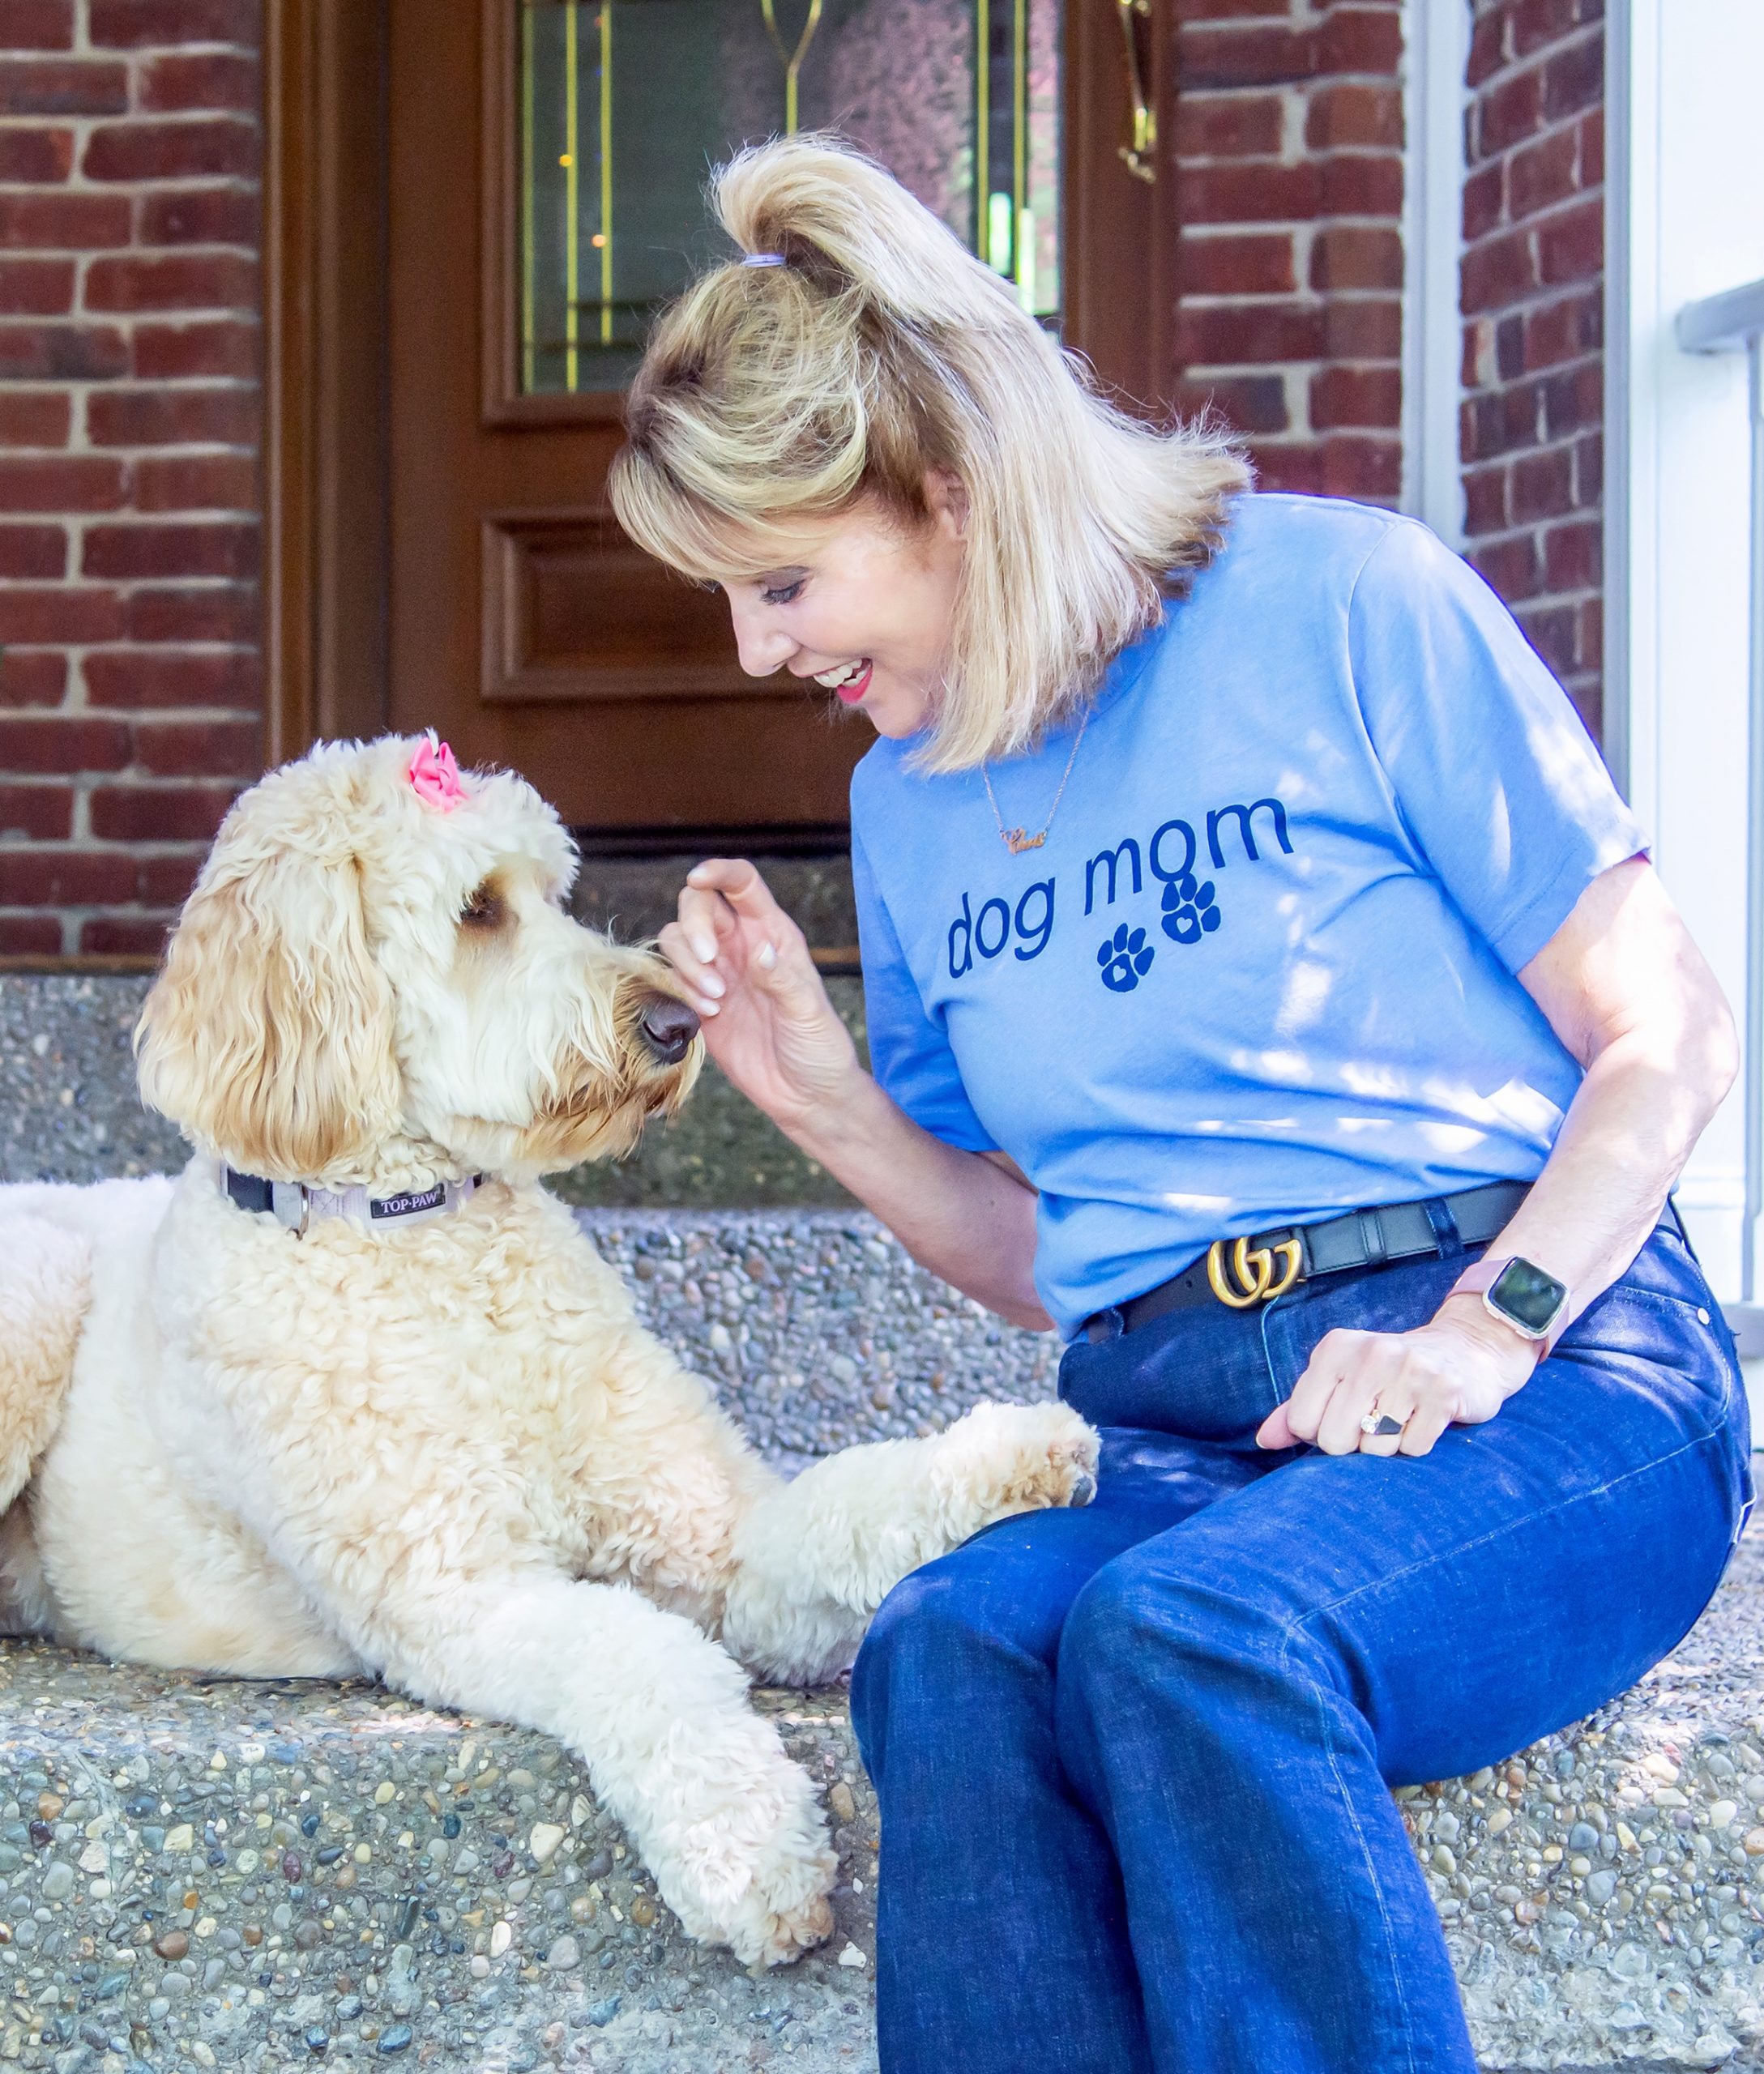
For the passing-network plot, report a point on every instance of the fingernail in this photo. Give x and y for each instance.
(703, 949)
(712, 985)
(705, 1005)
(768, 956)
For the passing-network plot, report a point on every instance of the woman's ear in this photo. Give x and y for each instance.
(945, 498)
(268, 1035)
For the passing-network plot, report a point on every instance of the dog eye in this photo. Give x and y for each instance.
(484, 910)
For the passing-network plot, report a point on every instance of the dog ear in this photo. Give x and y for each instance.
(268, 1034)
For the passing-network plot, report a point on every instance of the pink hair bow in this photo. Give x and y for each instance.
(434, 776)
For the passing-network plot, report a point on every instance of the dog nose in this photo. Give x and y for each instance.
(668, 1026)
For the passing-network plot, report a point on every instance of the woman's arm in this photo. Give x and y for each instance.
(769, 1024)
(1631, 996)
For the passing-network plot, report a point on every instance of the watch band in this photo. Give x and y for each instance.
(1481, 1277)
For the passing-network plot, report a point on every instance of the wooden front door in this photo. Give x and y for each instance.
(540, 171)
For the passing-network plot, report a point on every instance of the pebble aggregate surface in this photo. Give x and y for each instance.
(199, 1873)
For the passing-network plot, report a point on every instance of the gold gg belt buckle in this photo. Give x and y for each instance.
(1253, 1269)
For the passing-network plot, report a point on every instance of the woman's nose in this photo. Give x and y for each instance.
(763, 646)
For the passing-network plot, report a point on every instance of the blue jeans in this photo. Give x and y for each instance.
(1135, 1762)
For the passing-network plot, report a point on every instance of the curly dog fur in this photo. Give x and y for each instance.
(444, 1453)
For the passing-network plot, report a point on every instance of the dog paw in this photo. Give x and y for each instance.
(1001, 1459)
(752, 1868)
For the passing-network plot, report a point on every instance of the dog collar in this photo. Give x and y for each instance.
(297, 1206)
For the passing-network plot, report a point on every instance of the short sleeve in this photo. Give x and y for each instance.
(1495, 778)
(909, 1052)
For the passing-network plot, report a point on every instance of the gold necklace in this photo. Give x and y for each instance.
(1016, 840)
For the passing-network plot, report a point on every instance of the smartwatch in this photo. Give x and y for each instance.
(1521, 1294)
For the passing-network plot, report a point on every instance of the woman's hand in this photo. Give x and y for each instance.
(766, 1018)
(1458, 1369)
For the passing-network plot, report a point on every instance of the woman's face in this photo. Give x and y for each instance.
(861, 607)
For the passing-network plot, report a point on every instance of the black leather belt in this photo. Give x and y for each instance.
(1242, 1273)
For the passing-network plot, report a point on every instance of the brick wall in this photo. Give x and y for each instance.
(1289, 164)
(1533, 299)
(129, 436)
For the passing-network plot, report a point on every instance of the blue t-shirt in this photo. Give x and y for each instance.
(1262, 969)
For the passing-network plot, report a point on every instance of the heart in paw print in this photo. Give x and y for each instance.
(1188, 911)
(1125, 958)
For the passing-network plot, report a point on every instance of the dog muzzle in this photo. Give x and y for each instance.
(297, 1206)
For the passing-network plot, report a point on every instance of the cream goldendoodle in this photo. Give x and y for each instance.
(354, 1393)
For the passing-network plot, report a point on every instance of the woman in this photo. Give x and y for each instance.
(1253, 945)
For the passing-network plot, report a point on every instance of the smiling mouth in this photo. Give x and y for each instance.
(849, 683)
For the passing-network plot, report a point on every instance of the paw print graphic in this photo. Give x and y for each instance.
(1125, 958)
(1188, 911)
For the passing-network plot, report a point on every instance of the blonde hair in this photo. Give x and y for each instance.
(774, 396)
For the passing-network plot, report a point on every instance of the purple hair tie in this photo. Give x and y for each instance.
(763, 259)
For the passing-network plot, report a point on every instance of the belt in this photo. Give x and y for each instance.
(1242, 1272)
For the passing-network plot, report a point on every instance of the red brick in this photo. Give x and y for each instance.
(64, 878)
(202, 215)
(62, 222)
(1570, 246)
(1592, 147)
(139, 679)
(1589, 471)
(201, 80)
(124, 936)
(30, 936)
(198, 482)
(44, 813)
(1354, 114)
(1256, 191)
(1229, 125)
(1567, 329)
(1251, 262)
(1499, 271)
(32, 676)
(1572, 556)
(1487, 47)
(71, 482)
(39, 551)
(1589, 635)
(1235, 334)
(1357, 184)
(168, 149)
(1292, 466)
(62, 86)
(1485, 501)
(40, 25)
(1356, 256)
(1485, 199)
(34, 417)
(1509, 112)
(1551, 630)
(159, 813)
(1574, 78)
(35, 288)
(1543, 485)
(164, 881)
(1360, 397)
(200, 748)
(1538, 22)
(61, 744)
(39, 156)
(1363, 328)
(1255, 56)
(1574, 400)
(1360, 40)
(1509, 566)
(172, 417)
(1540, 175)
(1246, 402)
(40, 352)
(137, 25)
(146, 549)
(59, 612)
(173, 280)
(1371, 469)
(210, 611)
(216, 345)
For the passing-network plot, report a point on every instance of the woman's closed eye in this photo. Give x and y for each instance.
(785, 593)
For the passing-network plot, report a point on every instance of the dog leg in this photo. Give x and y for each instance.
(814, 1557)
(728, 1824)
(45, 1284)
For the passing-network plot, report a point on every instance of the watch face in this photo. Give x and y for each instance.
(1527, 1295)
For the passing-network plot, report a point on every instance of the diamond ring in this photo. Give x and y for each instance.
(1379, 1424)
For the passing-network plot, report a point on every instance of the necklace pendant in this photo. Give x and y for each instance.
(1016, 840)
